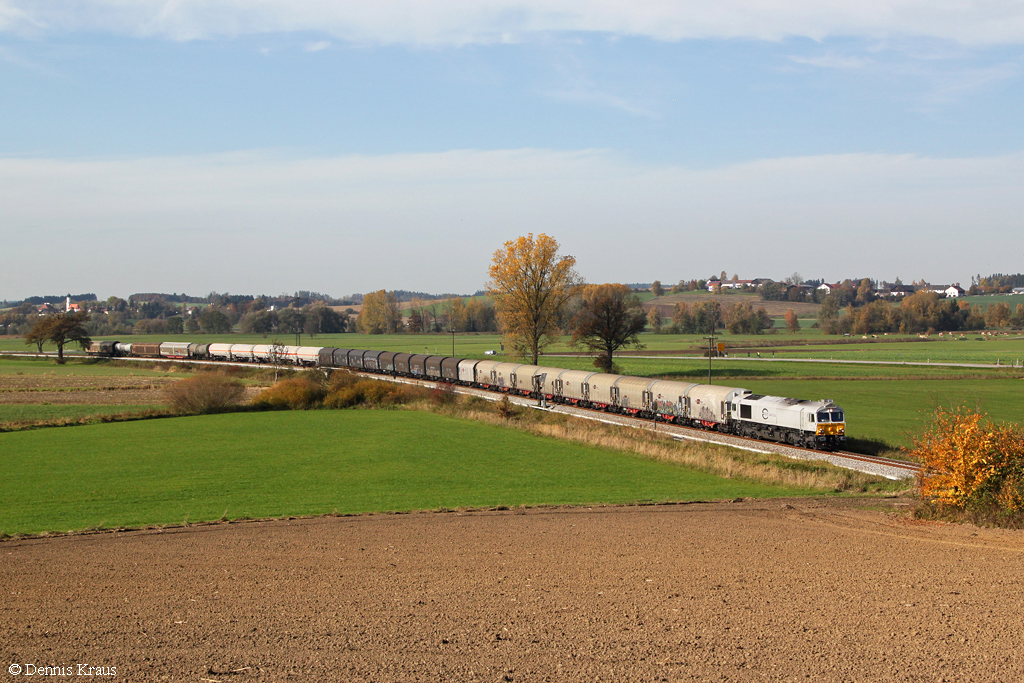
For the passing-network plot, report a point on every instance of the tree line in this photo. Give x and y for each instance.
(921, 312)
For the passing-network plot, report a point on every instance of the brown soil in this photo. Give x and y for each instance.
(750, 591)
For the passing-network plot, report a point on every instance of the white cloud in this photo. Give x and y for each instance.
(457, 22)
(832, 61)
(317, 46)
(257, 222)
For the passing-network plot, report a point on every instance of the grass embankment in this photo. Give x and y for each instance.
(316, 462)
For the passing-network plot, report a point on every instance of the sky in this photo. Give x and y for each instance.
(267, 146)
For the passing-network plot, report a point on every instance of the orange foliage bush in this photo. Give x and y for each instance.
(970, 462)
(298, 393)
(368, 392)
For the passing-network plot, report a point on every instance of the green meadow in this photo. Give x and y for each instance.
(315, 462)
(26, 412)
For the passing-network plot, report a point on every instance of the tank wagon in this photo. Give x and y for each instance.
(813, 424)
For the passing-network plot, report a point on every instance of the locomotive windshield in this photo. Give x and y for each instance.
(832, 415)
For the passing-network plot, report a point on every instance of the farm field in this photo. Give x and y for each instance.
(808, 343)
(835, 589)
(315, 462)
(38, 390)
(667, 302)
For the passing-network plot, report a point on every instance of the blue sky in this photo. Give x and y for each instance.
(271, 146)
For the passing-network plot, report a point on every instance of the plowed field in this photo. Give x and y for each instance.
(748, 591)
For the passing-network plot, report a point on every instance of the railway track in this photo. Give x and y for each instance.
(885, 467)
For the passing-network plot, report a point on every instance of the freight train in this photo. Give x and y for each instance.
(812, 424)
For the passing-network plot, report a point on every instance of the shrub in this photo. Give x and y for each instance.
(443, 394)
(505, 408)
(969, 462)
(368, 392)
(205, 393)
(298, 394)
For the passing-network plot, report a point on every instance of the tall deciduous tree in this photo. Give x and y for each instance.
(654, 319)
(292, 321)
(609, 318)
(379, 314)
(61, 328)
(213, 321)
(792, 322)
(531, 284)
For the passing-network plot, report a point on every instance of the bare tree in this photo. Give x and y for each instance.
(610, 317)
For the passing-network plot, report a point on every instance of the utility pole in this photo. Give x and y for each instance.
(711, 345)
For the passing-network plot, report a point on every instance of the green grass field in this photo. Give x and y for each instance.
(77, 367)
(314, 462)
(808, 343)
(40, 411)
(892, 411)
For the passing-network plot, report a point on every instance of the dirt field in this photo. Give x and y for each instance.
(666, 304)
(750, 591)
(71, 390)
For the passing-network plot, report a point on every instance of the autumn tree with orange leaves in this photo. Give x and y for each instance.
(792, 322)
(970, 463)
(531, 283)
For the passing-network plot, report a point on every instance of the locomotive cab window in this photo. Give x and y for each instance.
(822, 417)
(811, 417)
(837, 415)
